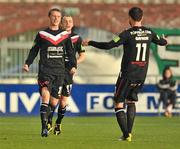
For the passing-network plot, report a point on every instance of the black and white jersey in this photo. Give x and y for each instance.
(167, 84)
(52, 44)
(136, 44)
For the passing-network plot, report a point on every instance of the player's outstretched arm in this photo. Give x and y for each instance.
(101, 45)
(115, 42)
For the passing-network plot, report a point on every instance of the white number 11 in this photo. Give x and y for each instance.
(140, 46)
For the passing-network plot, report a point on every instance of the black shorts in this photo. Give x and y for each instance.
(54, 83)
(127, 89)
(67, 86)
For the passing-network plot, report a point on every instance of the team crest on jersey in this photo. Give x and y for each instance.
(54, 39)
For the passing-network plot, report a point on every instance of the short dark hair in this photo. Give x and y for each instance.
(136, 13)
(54, 9)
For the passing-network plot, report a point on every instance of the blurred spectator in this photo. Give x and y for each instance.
(167, 88)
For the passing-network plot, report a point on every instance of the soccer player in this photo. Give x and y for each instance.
(52, 43)
(67, 24)
(136, 44)
(167, 87)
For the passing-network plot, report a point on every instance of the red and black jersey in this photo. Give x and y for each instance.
(77, 43)
(136, 44)
(53, 45)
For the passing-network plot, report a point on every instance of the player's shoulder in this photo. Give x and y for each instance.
(42, 30)
(147, 28)
(124, 32)
(75, 36)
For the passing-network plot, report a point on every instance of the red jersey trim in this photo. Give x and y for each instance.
(54, 39)
(74, 38)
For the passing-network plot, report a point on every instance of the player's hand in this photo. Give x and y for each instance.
(73, 71)
(25, 68)
(85, 42)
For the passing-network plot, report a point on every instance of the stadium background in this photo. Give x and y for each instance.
(87, 125)
(94, 19)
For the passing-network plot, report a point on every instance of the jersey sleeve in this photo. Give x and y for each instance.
(158, 40)
(70, 54)
(115, 42)
(33, 51)
(80, 48)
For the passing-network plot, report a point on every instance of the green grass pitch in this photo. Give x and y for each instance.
(90, 133)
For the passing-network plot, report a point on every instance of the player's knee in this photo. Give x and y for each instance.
(119, 105)
(53, 101)
(63, 101)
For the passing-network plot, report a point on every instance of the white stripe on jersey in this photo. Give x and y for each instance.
(74, 37)
(52, 37)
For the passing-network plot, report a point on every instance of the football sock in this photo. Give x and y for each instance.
(131, 113)
(122, 121)
(51, 113)
(43, 113)
(61, 112)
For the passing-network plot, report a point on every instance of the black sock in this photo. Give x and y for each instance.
(131, 113)
(122, 121)
(43, 113)
(61, 112)
(51, 113)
